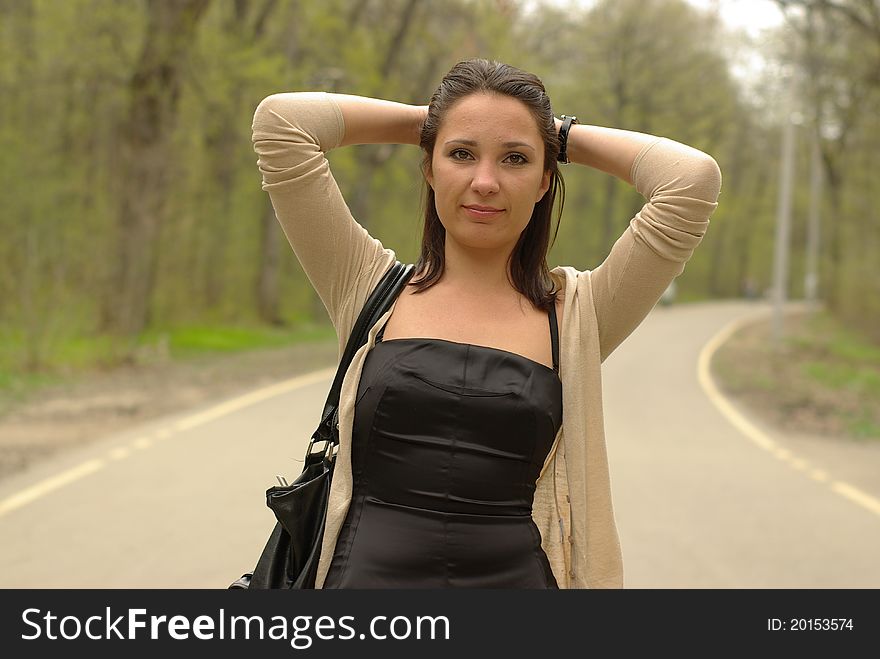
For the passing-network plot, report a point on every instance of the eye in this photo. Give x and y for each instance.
(460, 154)
(517, 159)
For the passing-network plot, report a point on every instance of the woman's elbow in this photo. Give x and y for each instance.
(705, 178)
(266, 115)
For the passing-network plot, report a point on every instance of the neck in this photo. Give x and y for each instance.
(479, 271)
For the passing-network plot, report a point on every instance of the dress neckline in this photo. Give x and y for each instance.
(554, 343)
(427, 339)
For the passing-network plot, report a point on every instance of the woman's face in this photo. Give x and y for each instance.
(487, 171)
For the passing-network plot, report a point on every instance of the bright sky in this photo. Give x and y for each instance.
(751, 15)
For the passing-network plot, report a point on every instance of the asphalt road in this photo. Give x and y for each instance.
(180, 503)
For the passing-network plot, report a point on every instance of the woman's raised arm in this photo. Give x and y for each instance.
(681, 185)
(376, 121)
(610, 150)
(291, 134)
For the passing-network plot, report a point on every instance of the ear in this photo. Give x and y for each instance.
(545, 185)
(428, 173)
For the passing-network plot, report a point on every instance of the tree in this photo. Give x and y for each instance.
(834, 47)
(154, 89)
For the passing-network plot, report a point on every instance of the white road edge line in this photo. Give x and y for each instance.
(48, 485)
(752, 432)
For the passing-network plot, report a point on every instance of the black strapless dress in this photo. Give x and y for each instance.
(447, 444)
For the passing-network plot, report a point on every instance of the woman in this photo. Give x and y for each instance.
(456, 466)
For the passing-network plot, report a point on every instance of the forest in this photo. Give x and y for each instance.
(132, 202)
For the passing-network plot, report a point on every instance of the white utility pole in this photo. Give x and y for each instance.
(783, 227)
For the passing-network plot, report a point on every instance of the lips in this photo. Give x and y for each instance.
(479, 211)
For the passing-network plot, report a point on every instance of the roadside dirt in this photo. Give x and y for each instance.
(771, 383)
(94, 406)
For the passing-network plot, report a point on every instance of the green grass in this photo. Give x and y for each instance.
(187, 342)
(864, 426)
(836, 357)
(830, 336)
(15, 386)
(841, 360)
(841, 375)
(76, 356)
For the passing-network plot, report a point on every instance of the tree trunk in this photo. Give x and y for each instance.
(267, 280)
(269, 273)
(222, 143)
(24, 233)
(746, 223)
(146, 159)
(370, 160)
(835, 250)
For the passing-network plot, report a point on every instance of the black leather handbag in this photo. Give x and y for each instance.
(290, 557)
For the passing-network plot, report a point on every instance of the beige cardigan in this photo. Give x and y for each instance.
(572, 506)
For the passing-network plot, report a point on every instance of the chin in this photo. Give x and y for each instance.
(478, 235)
(483, 242)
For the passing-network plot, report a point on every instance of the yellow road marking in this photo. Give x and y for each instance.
(249, 399)
(84, 469)
(856, 495)
(142, 442)
(755, 434)
(120, 453)
(49, 485)
(782, 453)
(163, 433)
(704, 376)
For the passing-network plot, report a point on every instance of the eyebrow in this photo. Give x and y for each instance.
(506, 145)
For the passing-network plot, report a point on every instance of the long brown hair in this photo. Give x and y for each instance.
(529, 273)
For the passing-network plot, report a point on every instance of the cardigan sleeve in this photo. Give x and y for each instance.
(681, 185)
(291, 134)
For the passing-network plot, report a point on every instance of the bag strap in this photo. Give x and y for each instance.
(380, 300)
(554, 336)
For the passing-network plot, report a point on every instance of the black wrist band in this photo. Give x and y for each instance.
(567, 121)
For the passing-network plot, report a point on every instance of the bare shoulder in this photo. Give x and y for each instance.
(454, 316)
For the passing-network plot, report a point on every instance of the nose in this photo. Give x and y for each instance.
(485, 180)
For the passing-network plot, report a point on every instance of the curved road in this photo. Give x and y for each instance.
(699, 503)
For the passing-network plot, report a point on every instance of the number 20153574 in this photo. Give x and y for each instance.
(809, 624)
